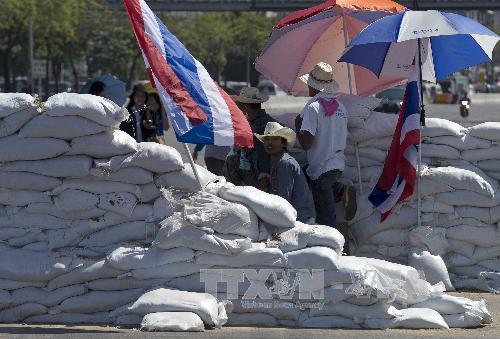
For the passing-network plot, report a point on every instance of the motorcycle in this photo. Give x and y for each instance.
(464, 107)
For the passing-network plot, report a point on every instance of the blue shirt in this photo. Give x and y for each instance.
(289, 182)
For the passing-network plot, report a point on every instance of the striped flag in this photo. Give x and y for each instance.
(397, 181)
(199, 110)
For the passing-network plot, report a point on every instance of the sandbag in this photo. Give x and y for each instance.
(45, 297)
(172, 322)
(149, 192)
(14, 148)
(328, 322)
(97, 187)
(312, 257)
(11, 103)
(461, 143)
(63, 166)
(66, 128)
(119, 284)
(98, 109)
(460, 179)
(481, 236)
(303, 235)
(378, 125)
(344, 309)
(208, 210)
(489, 165)
(410, 318)
(433, 267)
(258, 254)
(164, 208)
(433, 238)
(129, 231)
(11, 232)
(487, 130)
(12, 123)
(270, 208)
(252, 319)
(99, 301)
(436, 127)
(70, 318)
(21, 312)
(463, 320)
(468, 198)
(440, 151)
(168, 300)
(390, 237)
(448, 304)
(167, 271)
(492, 153)
(149, 155)
(22, 198)
(34, 220)
(53, 210)
(27, 181)
(128, 258)
(103, 145)
(75, 200)
(122, 203)
(131, 175)
(6, 284)
(185, 179)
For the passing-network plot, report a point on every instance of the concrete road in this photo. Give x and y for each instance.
(60, 331)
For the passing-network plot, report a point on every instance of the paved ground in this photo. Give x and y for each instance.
(60, 331)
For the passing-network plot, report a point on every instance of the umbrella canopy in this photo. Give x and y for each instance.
(321, 33)
(450, 43)
(115, 88)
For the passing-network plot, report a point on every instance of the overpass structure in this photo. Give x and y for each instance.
(293, 5)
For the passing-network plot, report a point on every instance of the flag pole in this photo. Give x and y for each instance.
(422, 124)
(191, 161)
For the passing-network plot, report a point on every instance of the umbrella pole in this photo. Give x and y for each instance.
(422, 124)
(195, 171)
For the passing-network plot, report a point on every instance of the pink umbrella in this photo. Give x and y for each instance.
(321, 33)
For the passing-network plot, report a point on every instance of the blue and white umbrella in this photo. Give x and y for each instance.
(449, 43)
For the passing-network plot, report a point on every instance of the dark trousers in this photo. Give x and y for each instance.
(326, 192)
(215, 165)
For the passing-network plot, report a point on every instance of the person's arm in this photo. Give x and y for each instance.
(305, 127)
(164, 119)
(197, 149)
(284, 181)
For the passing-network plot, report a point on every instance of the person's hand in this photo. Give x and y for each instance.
(298, 123)
(148, 124)
(195, 156)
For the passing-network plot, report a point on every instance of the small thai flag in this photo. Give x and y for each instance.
(199, 110)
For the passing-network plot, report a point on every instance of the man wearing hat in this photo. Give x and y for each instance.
(287, 179)
(322, 131)
(251, 167)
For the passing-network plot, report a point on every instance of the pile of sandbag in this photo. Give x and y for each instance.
(96, 228)
(460, 202)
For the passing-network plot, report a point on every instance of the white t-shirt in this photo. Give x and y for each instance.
(330, 135)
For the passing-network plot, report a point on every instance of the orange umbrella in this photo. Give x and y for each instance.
(321, 33)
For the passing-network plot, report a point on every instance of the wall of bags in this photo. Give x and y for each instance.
(460, 206)
(95, 228)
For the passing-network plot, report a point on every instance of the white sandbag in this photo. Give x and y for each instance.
(328, 322)
(480, 236)
(487, 130)
(390, 237)
(460, 179)
(122, 203)
(5, 298)
(66, 128)
(6, 284)
(128, 320)
(380, 143)
(368, 174)
(448, 304)
(303, 235)
(25, 265)
(494, 175)
(168, 271)
(461, 143)
(478, 213)
(185, 179)
(64, 166)
(27, 181)
(97, 187)
(440, 151)
(436, 127)
(351, 161)
(12, 123)
(467, 198)
(251, 320)
(432, 187)
(51, 209)
(270, 208)
(128, 258)
(34, 220)
(433, 238)
(277, 308)
(103, 145)
(45, 297)
(175, 232)
(28, 238)
(11, 232)
(410, 318)
(86, 272)
(98, 109)
(373, 154)
(149, 155)
(208, 210)
(378, 125)
(130, 231)
(463, 320)
(14, 148)
(258, 254)
(313, 257)
(40, 246)
(492, 153)
(491, 264)
(467, 166)
(164, 208)
(461, 247)
(119, 284)
(172, 322)
(141, 212)
(75, 200)
(480, 254)
(70, 318)
(468, 271)
(22, 198)
(489, 165)
(432, 266)
(131, 175)
(11, 103)
(21, 312)
(149, 192)
(168, 300)
(99, 301)
(344, 309)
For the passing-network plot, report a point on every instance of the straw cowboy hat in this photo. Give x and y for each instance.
(250, 95)
(321, 78)
(274, 129)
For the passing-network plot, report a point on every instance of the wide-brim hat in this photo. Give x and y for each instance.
(250, 95)
(321, 78)
(274, 129)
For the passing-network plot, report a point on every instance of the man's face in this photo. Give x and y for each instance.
(313, 91)
(274, 145)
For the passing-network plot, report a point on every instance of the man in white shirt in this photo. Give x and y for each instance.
(322, 131)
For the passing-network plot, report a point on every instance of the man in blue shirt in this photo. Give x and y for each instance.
(287, 179)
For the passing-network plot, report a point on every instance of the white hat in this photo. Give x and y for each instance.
(250, 95)
(274, 129)
(321, 78)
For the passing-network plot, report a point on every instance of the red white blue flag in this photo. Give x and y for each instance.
(200, 112)
(397, 181)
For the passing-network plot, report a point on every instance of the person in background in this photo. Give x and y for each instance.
(215, 157)
(136, 108)
(251, 167)
(287, 179)
(322, 131)
(154, 120)
(98, 88)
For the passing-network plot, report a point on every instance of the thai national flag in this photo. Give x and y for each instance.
(199, 110)
(397, 181)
